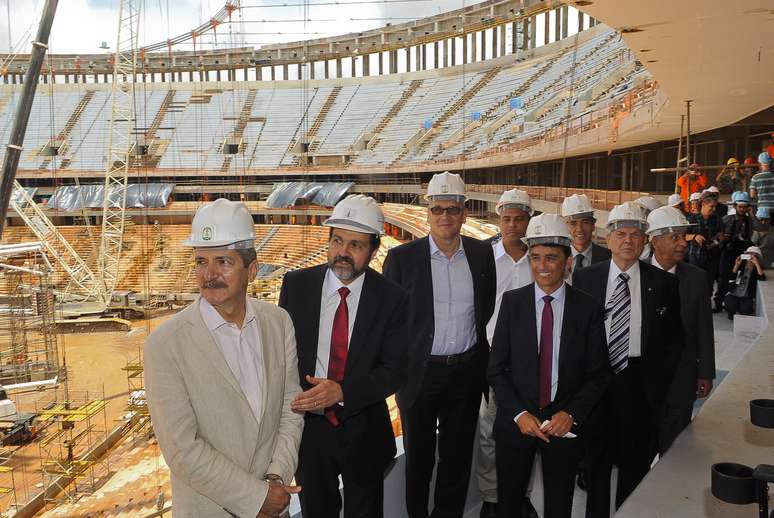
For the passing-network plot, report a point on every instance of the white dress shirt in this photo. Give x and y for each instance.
(654, 262)
(242, 350)
(511, 275)
(329, 303)
(453, 302)
(635, 309)
(586, 253)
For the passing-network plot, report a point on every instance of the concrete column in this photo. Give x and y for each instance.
(393, 62)
(515, 36)
(473, 45)
(464, 49)
(381, 63)
(565, 14)
(338, 68)
(104, 78)
(580, 21)
(273, 73)
(445, 54)
(326, 69)
(494, 42)
(408, 59)
(424, 56)
(299, 71)
(366, 65)
(592, 22)
(532, 32)
(558, 25)
(352, 66)
(453, 59)
(435, 55)
(419, 57)
(502, 40)
(546, 28)
(311, 69)
(483, 45)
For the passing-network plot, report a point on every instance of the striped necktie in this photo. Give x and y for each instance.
(618, 309)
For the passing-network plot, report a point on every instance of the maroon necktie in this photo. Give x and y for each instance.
(339, 345)
(546, 352)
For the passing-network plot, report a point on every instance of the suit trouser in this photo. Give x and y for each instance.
(741, 305)
(447, 404)
(515, 461)
(623, 430)
(320, 462)
(679, 405)
(486, 471)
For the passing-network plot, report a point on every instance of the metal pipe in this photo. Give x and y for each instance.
(688, 131)
(679, 150)
(14, 147)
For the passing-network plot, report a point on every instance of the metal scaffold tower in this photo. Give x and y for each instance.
(120, 143)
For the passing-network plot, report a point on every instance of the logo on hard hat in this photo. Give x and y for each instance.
(207, 234)
(444, 189)
(538, 229)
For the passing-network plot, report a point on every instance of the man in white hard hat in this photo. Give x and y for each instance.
(676, 201)
(743, 290)
(645, 342)
(539, 324)
(667, 227)
(579, 216)
(350, 326)
(220, 376)
(512, 262)
(452, 281)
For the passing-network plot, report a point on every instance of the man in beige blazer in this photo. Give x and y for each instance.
(220, 377)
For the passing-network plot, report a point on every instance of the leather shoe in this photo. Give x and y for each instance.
(527, 509)
(488, 510)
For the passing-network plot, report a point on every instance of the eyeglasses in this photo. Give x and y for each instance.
(451, 211)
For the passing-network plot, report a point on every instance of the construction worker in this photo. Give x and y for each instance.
(762, 184)
(513, 271)
(452, 281)
(693, 180)
(694, 203)
(220, 377)
(542, 407)
(677, 202)
(645, 342)
(667, 227)
(578, 214)
(350, 326)
(732, 177)
(713, 193)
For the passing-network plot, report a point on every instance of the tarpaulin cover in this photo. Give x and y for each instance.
(143, 196)
(16, 195)
(288, 194)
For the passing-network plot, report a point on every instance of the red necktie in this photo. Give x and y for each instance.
(546, 352)
(339, 346)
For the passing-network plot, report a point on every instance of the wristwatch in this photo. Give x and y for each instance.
(271, 477)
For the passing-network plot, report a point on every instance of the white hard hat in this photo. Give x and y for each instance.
(446, 186)
(359, 213)
(629, 214)
(547, 229)
(674, 200)
(666, 220)
(713, 189)
(754, 250)
(222, 224)
(649, 203)
(696, 196)
(577, 206)
(516, 199)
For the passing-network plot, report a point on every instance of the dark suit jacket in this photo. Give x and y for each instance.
(661, 334)
(584, 366)
(376, 361)
(698, 359)
(409, 266)
(599, 253)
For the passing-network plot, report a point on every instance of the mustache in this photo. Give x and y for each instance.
(343, 259)
(214, 285)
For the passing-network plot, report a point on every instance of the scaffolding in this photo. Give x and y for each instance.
(29, 349)
(137, 403)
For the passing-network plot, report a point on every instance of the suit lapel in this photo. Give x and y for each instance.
(308, 350)
(647, 301)
(268, 354)
(531, 353)
(366, 312)
(202, 341)
(601, 284)
(568, 331)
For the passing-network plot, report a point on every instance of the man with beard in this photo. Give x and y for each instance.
(645, 342)
(351, 331)
(579, 216)
(667, 227)
(452, 281)
(513, 271)
(220, 376)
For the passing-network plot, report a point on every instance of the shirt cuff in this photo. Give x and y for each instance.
(516, 419)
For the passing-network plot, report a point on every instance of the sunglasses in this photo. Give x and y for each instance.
(451, 211)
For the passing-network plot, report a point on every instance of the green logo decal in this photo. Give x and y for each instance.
(207, 234)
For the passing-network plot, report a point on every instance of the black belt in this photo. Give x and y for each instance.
(452, 359)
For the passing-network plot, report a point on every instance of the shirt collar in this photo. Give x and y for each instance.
(499, 251)
(332, 284)
(435, 250)
(213, 320)
(615, 271)
(558, 295)
(585, 253)
(655, 263)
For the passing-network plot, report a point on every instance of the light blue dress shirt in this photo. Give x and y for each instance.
(453, 302)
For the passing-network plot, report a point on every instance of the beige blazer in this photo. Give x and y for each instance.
(216, 450)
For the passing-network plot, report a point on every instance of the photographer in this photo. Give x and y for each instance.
(738, 233)
(742, 289)
(704, 244)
